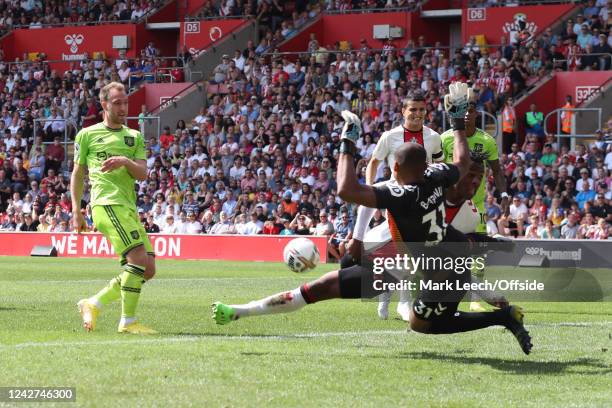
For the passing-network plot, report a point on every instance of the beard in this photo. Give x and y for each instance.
(114, 119)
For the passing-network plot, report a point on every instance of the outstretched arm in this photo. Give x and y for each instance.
(349, 188)
(457, 104)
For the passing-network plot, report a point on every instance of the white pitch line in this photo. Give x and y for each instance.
(156, 281)
(572, 324)
(191, 338)
(297, 336)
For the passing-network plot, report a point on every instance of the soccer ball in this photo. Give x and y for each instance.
(301, 254)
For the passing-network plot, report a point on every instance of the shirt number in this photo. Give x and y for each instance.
(435, 223)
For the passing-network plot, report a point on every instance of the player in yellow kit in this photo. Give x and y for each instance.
(114, 155)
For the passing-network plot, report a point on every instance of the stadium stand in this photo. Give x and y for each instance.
(260, 157)
(35, 14)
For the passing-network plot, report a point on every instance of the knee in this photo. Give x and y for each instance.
(149, 273)
(150, 268)
(138, 256)
(418, 325)
(329, 280)
(326, 287)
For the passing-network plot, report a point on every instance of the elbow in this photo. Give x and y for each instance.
(463, 161)
(343, 193)
(351, 194)
(463, 164)
(347, 192)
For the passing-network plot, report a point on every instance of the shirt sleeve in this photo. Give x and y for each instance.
(444, 174)
(81, 148)
(394, 196)
(140, 149)
(364, 215)
(437, 155)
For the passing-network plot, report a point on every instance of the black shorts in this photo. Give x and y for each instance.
(431, 311)
(359, 282)
(432, 304)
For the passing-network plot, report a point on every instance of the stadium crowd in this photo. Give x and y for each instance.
(36, 14)
(31, 90)
(278, 10)
(260, 158)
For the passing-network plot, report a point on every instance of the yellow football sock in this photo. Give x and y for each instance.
(109, 293)
(131, 283)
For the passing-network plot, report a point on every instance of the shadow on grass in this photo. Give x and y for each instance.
(587, 366)
(253, 353)
(20, 309)
(23, 309)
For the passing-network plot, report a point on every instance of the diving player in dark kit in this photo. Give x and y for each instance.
(415, 204)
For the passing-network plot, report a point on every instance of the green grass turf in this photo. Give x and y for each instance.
(335, 353)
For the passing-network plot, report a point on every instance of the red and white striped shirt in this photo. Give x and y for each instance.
(483, 81)
(503, 84)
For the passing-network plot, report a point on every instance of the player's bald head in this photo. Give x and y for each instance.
(411, 155)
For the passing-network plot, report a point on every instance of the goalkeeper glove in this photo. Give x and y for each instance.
(456, 103)
(352, 126)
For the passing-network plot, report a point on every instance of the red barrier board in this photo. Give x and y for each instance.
(551, 95)
(300, 41)
(68, 43)
(71, 43)
(135, 101)
(255, 248)
(579, 84)
(495, 22)
(198, 35)
(353, 27)
(158, 94)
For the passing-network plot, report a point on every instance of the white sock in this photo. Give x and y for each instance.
(404, 296)
(384, 297)
(283, 302)
(126, 320)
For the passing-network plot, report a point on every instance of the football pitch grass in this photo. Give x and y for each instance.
(335, 353)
